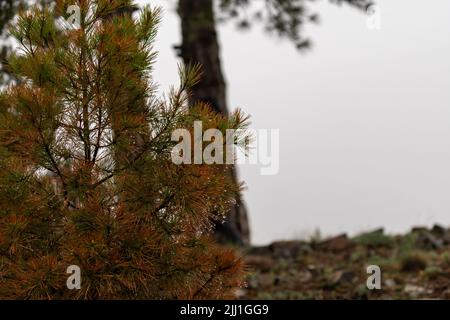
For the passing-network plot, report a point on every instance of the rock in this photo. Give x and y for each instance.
(413, 291)
(252, 283)
(259, 251)
(438, 230)
(260, 262)
(282, 249)
(446, 238)
(289, 249)
(314, 270)
(267, 280)
(446, 294)
(346, 276)
(304, 276)
(339, 243)
(240, 293)
(340, 278)
(427, 240)
(390, 283)
(419, 229)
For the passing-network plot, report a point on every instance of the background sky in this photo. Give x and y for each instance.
(364, 118)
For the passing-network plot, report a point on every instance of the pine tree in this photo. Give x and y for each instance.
(200, 44)
(86, 176)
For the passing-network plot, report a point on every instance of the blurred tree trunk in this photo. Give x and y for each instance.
(200, 45)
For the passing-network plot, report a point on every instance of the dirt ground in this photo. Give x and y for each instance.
(413, 266)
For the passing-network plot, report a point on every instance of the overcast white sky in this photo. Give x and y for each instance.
(364, 118)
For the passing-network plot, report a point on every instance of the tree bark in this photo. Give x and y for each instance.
(200, 45)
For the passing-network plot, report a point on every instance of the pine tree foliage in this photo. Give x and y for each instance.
(86, 176)
(285, 18)
(8, 9)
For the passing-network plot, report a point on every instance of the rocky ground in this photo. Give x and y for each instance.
(413, 266)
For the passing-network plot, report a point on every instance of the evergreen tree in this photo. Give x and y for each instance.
(8, 9)
(86, 176)
(200, 44)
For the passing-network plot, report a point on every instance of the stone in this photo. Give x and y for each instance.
(338, 243)
(413, 291)
(345, 277)
(419, 229)
(427, 240)
(253, 283)
(446, 294)
(240, 293)
(340, 278)
(260, 262)
(289, 249)
(390, 283)
(438, 230)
